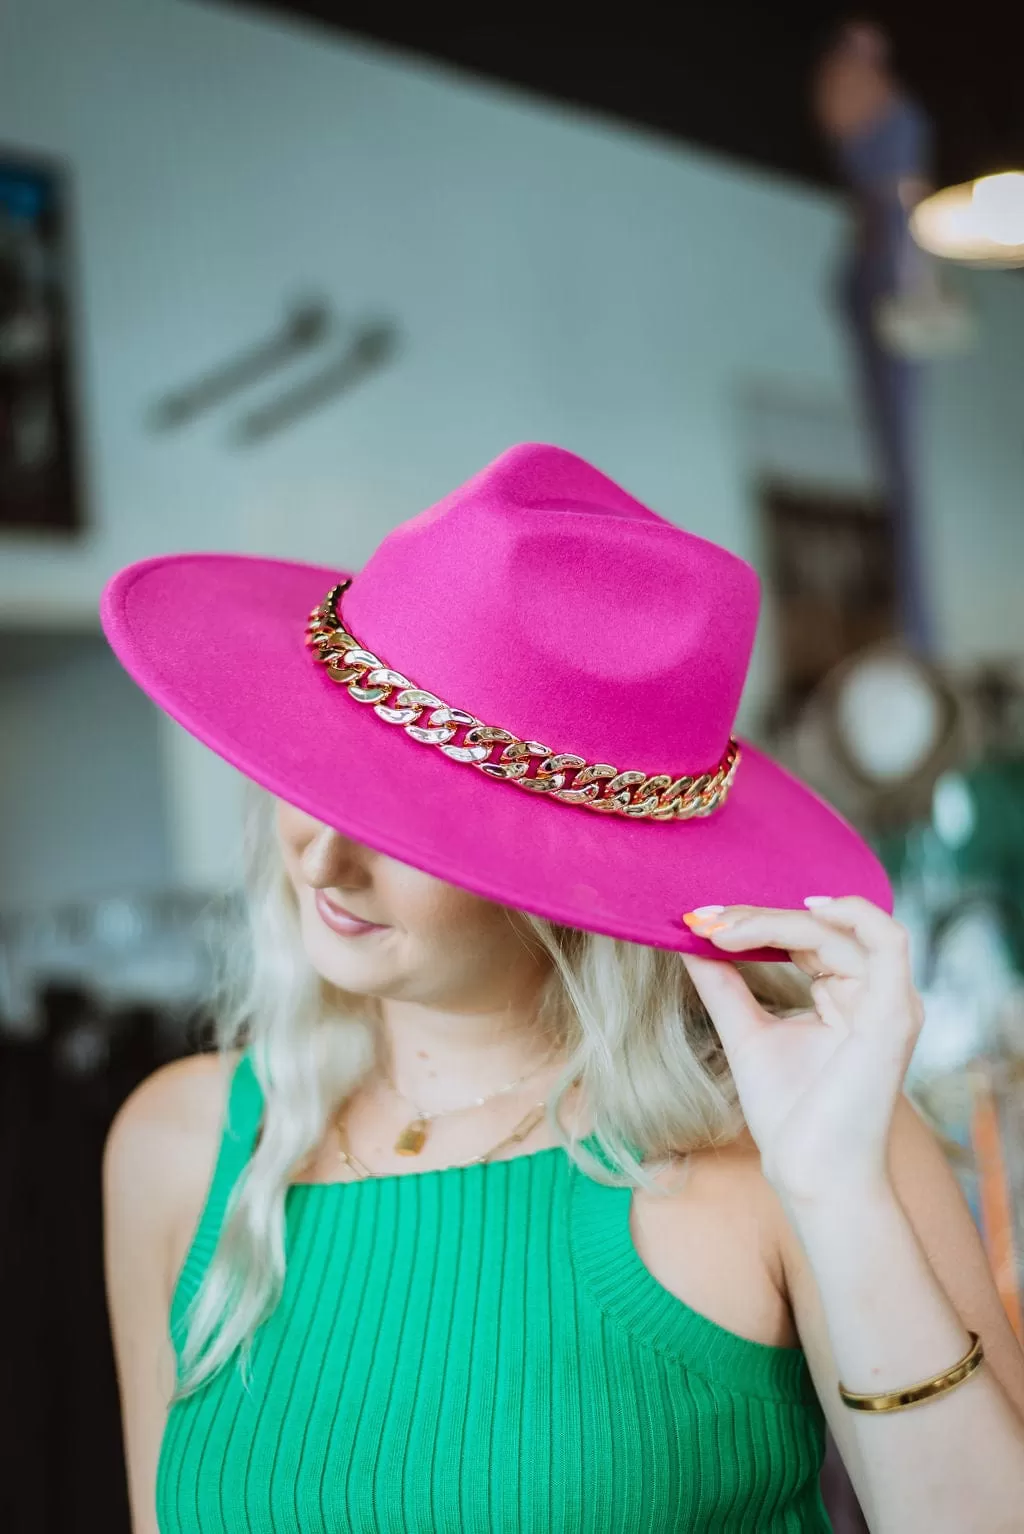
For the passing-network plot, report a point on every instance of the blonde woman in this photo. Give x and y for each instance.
(553, 1172)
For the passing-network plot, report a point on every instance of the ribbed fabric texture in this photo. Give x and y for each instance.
(480, 1350)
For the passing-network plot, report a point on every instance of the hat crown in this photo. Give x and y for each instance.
(542, 597)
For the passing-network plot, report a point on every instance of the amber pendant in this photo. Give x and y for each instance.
(412, 1139)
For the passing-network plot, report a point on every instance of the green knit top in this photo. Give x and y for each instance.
(480, 1350)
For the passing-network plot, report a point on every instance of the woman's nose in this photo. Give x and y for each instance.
(332, 859)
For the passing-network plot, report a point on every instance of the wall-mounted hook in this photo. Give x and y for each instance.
(305, 326)
(374, 344)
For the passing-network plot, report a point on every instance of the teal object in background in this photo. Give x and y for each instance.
(979, 822)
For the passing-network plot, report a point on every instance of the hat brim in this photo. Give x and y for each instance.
(217, 641)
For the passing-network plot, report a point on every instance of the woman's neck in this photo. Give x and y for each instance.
(441, 1059)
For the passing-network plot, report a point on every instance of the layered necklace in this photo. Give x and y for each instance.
(413, 1136)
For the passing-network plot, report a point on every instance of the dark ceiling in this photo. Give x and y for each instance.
(731, 77)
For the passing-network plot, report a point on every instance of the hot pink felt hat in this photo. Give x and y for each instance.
(528, 691)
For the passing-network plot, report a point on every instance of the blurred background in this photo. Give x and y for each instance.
(275, 277)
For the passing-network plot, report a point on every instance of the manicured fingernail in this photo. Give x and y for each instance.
(819, 899)
(703, 925)
(700, 918)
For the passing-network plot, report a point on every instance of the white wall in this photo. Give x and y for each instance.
(554, 277)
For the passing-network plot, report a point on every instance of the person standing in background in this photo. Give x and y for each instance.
(894, 305)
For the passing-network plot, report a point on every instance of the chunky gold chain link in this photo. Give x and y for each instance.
(499, 753)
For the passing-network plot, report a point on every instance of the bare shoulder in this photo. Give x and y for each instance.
(178, 1097)
(157, 1162)
(712, 1236)
(161, 1149)
(727, 1182)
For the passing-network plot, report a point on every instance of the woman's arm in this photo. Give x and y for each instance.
(884, 1290)
(157, 1164)
(879, 1306)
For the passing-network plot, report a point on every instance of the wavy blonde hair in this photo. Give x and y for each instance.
(651, 1066)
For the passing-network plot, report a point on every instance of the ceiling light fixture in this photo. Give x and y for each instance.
(977, 223)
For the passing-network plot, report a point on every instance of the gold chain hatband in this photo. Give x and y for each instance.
(499, 753)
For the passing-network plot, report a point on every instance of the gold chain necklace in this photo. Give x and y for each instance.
(413, 1137)
(526, 1124)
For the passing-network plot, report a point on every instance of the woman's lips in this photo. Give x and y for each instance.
(340, 920)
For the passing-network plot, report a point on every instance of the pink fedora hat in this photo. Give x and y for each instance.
(528, 691)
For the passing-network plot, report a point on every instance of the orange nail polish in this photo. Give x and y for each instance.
(702, 925)
(701, 914)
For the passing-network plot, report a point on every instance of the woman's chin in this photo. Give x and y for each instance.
(345, 962)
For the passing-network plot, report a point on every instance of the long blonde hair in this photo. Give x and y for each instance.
(637, 1037)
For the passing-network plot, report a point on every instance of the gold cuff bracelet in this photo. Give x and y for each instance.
(895, 1400)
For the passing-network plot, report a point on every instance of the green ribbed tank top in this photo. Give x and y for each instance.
(480, 1350)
